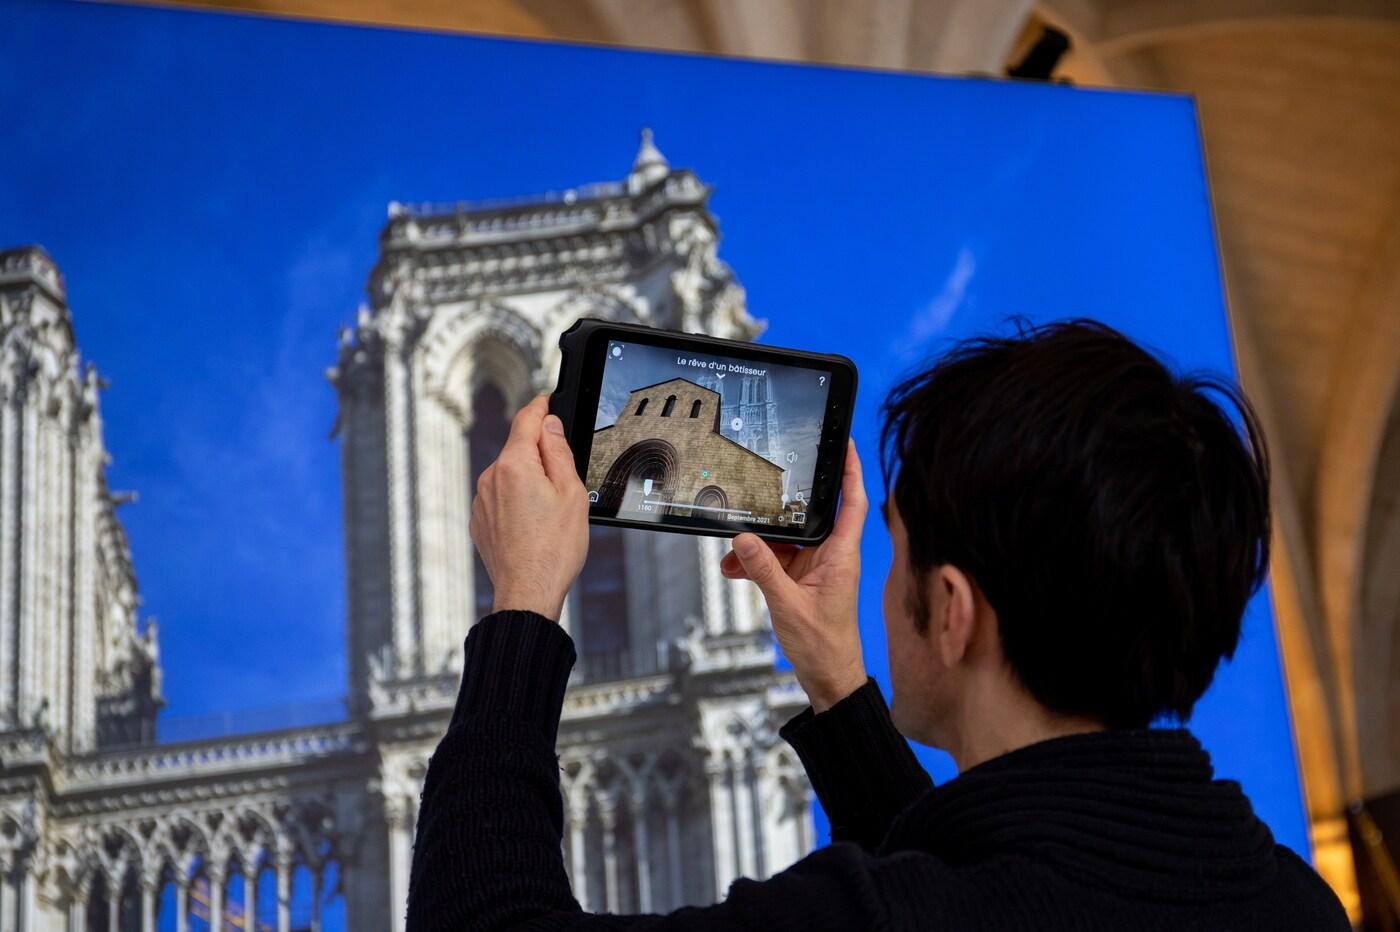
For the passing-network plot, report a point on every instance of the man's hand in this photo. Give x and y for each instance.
(530, 515)
(811, 594)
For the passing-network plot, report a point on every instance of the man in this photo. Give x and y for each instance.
(1076, 533)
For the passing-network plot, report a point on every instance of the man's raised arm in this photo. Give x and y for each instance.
(488, 849)
(487, 855)
(861, 768)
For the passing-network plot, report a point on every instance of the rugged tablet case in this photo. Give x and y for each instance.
(563, 402)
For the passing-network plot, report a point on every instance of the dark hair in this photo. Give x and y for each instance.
(1109, 511)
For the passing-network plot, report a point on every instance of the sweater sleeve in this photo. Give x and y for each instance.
(861, 768)
(487, 855)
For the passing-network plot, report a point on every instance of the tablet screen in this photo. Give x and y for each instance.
(700, 435)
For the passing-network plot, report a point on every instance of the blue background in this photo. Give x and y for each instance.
(212, 187)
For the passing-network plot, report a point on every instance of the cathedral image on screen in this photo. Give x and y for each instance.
(674, 781)
(747, 400)
(666, 451)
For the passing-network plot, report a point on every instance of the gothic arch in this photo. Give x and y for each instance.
(183, 840)
(1361, 405)
(157, 857)
(128, 851)
(474, 343)
(577, 778)
(744, 731)
(608, 776)
(260, 840)
(225, 850)
(781, 758)
(1378, 623)
(65, 866)
(596, 301)
(310, 844)
(600, 301)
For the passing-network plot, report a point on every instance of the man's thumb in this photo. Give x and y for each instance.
(555, 454)
(761, 565)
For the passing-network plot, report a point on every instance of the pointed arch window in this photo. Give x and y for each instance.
(669, 406)
(695, 408)
(641, 406)
(485, 439)
(602, 590)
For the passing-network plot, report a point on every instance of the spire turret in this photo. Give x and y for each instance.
(649, 167)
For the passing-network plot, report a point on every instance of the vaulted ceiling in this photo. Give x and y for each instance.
(1299, 104)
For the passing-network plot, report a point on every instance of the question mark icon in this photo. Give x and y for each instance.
(821, 380)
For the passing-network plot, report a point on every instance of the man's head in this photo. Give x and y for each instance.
(1072, 518)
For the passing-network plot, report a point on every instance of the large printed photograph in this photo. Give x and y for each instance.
(265, 321)
(702, 435)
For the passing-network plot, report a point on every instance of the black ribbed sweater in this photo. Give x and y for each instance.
(1114, 830)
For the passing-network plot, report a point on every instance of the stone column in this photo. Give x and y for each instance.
(469, 554)
(445, 562)
(399, 417)
(85, 638)
(7, 897)
(46, 660)
(607, 812)
(805, 831)
(250, 898)
(640, 848)
(396, 814)
(745, 601)
(216, 876)
(182, 902)
(28, 902)
(713, 604)
(28, 656)
(578, 826)
(755, 780)
(114, 905)
(10, 475)
(722, 823)
(284, 891)
(77, 909)
(28, 898)
(670, 799)
(78, 739)
(743, 816)
(150, 885)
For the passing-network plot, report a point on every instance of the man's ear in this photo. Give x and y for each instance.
(956, 623)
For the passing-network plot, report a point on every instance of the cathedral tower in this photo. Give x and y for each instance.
(73, 663)
(467, 304)
(673, 778)
(675, 782)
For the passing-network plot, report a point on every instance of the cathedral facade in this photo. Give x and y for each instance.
(666, 448)
(673, 777)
